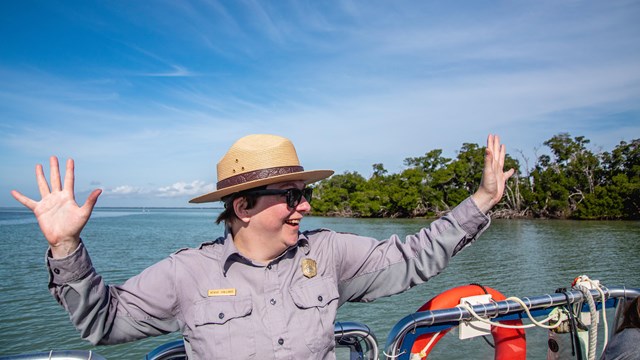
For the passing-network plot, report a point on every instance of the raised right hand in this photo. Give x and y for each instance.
(494, 178)
(60, 218)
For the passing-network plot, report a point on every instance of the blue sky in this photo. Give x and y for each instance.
(146, 96)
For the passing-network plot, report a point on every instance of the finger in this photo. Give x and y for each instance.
(55, 174)
(69, 178)
(490, 142)
(503, 154)
(508, 174)
(489, 153)
(91, 200)
(496, 147)
(27, 202)
(42, 181)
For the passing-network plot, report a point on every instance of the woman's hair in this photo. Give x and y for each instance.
(228, 213)
(631, 317)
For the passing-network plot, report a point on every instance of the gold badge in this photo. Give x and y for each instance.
(309, 268)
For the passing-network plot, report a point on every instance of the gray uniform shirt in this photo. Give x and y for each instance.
(228, 307)
(624, 345)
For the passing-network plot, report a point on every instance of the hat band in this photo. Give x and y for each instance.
(257, 175)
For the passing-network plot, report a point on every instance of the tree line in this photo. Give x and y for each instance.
(572, 182)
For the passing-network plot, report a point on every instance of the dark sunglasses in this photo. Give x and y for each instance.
(293, 195)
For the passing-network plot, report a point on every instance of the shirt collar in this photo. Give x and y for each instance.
(303, 243)
(231, 254)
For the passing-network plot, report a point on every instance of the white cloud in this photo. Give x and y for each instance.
(175, 190)
(124, 190)
(176, 71)
(181, 188)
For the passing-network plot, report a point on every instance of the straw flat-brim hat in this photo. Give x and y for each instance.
(258, 160)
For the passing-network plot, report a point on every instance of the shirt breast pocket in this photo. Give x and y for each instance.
(317, 303)
(224, 327)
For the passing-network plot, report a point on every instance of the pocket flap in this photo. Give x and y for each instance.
(221, 310)
(314, 293)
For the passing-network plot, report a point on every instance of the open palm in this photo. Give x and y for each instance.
(60, 218)
(494, 178)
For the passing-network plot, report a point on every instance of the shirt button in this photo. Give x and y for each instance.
(56, 270)
(320, 298)
(221, 316)
(281, 341)
(273, 301)
(269, 267)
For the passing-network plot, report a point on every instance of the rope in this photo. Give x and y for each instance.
(423, 352)
(604, 315)
(488, 342)
(593, 331)
(484, 337)
(592, 312)
(393, 356)
(526, 309)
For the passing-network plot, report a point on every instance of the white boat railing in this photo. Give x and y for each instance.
(404, 333)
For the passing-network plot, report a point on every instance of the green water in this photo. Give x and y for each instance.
(517, 257)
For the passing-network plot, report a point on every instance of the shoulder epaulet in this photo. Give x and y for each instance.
(316, 231)
(200, 247)
(180, 250)
(209, 243)
(346, 233)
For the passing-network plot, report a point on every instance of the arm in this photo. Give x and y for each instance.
(102, 314)
(143, 306)
(369, 269)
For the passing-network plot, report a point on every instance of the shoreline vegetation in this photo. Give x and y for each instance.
(571, 183)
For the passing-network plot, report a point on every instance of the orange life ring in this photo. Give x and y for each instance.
(509, 343)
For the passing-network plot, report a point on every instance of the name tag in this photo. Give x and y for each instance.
(222, 292)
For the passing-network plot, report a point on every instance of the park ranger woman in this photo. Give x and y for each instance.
(264, 289)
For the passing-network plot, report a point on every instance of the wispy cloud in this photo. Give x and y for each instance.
(179, 189)
(182, 188)
(124, 190)
(177, 71)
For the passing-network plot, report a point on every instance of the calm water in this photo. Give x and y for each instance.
(517, 257)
